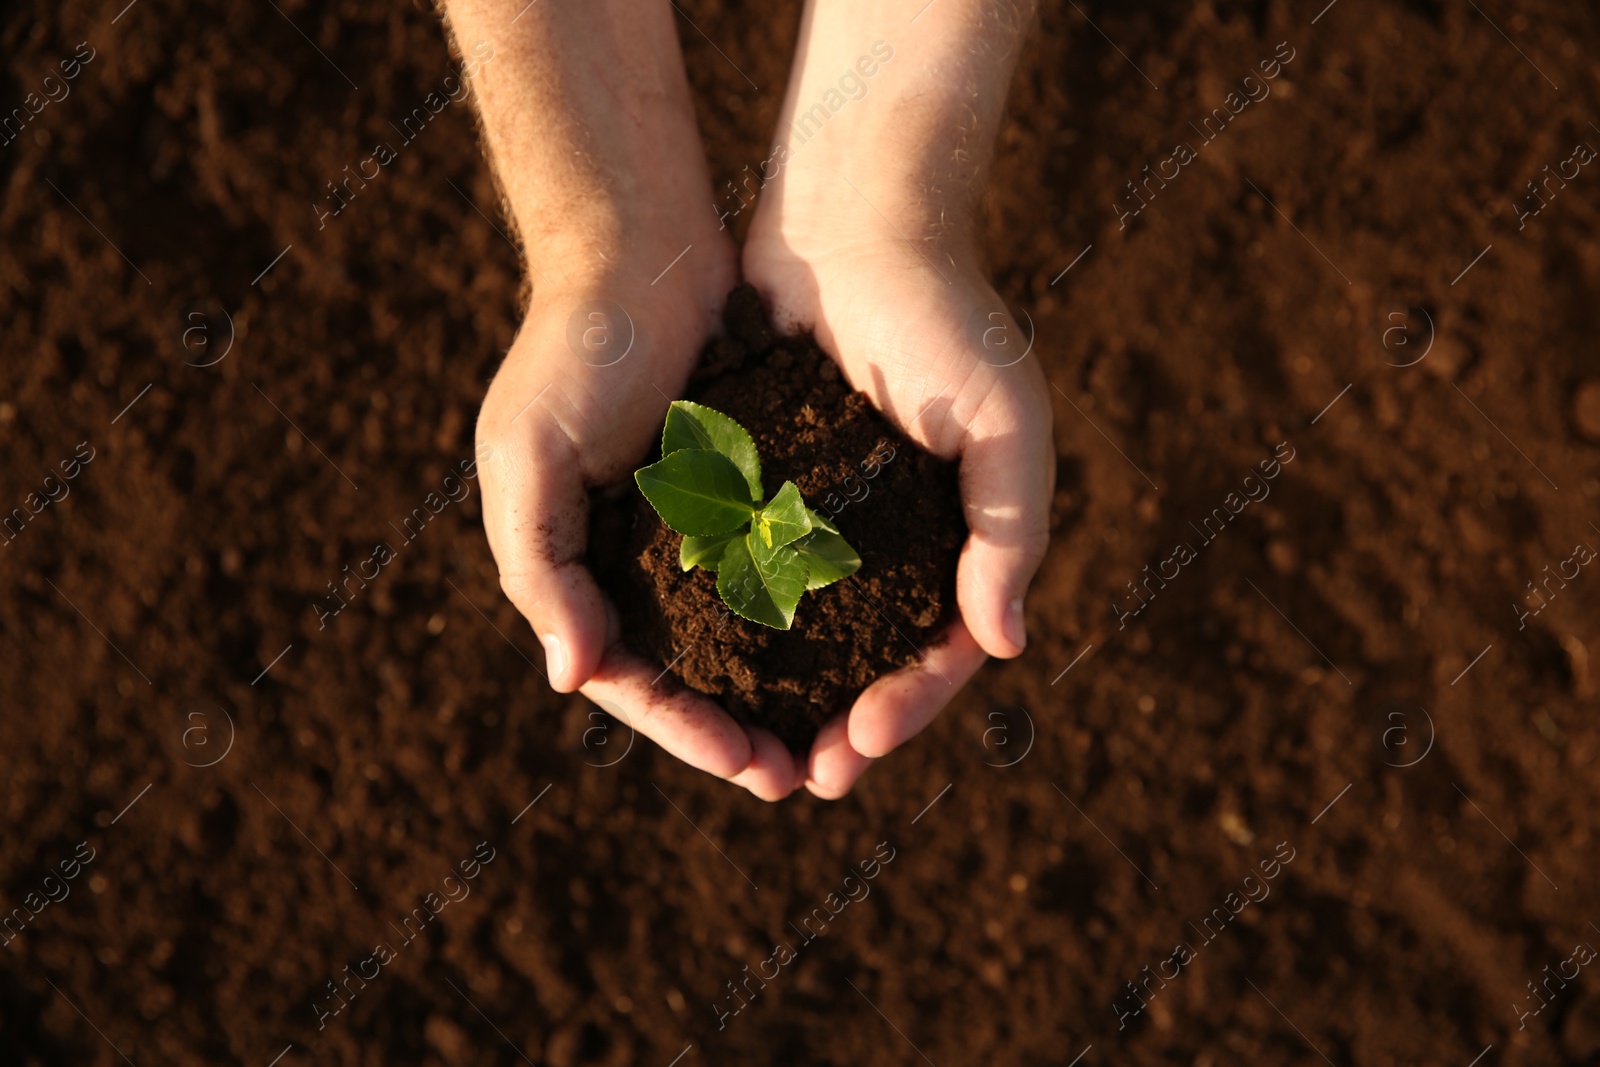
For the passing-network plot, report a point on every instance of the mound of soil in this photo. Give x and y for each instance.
(897, 505)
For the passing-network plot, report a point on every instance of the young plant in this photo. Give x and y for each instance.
(707, 487)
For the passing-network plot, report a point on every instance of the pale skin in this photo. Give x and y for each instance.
(865, 235)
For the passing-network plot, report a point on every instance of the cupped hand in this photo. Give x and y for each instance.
(913, 323)
(578, 403)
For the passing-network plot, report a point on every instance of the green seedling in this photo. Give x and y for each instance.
(707, 487)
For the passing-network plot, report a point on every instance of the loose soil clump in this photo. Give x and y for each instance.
(899, 506)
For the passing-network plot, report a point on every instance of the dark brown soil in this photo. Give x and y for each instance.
(898, 506)
(1167, 764)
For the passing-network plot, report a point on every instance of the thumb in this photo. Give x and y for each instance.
(1007, 478)
(535, 512)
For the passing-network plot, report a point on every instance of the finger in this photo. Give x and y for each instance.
(535, 512)
(1007, 477)
(897, 706)
(834, 766)
(771, 772)
(684, 723)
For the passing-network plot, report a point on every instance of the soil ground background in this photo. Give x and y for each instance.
(1151, 767)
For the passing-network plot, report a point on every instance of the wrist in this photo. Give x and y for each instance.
(611, 284)
(818, 206)
(588, 243)
(587, 118)
(891, 117)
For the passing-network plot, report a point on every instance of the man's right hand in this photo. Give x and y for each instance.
(587, 118)
(578, 404)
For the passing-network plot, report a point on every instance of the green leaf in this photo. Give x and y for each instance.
(691, 425)
(704, 551)
(697, 492)
(820, 523)
(784, 520)
(762, 584)
(828, 556)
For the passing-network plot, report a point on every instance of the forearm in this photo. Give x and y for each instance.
(587, 117)
(917, 135)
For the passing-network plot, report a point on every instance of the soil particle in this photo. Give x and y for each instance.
(1586, 409)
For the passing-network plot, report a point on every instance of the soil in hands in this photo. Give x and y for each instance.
(905, 522)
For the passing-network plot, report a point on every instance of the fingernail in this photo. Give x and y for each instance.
(553, 656)
(1016, 631)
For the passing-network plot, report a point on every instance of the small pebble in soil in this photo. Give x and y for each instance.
(1586, 409)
